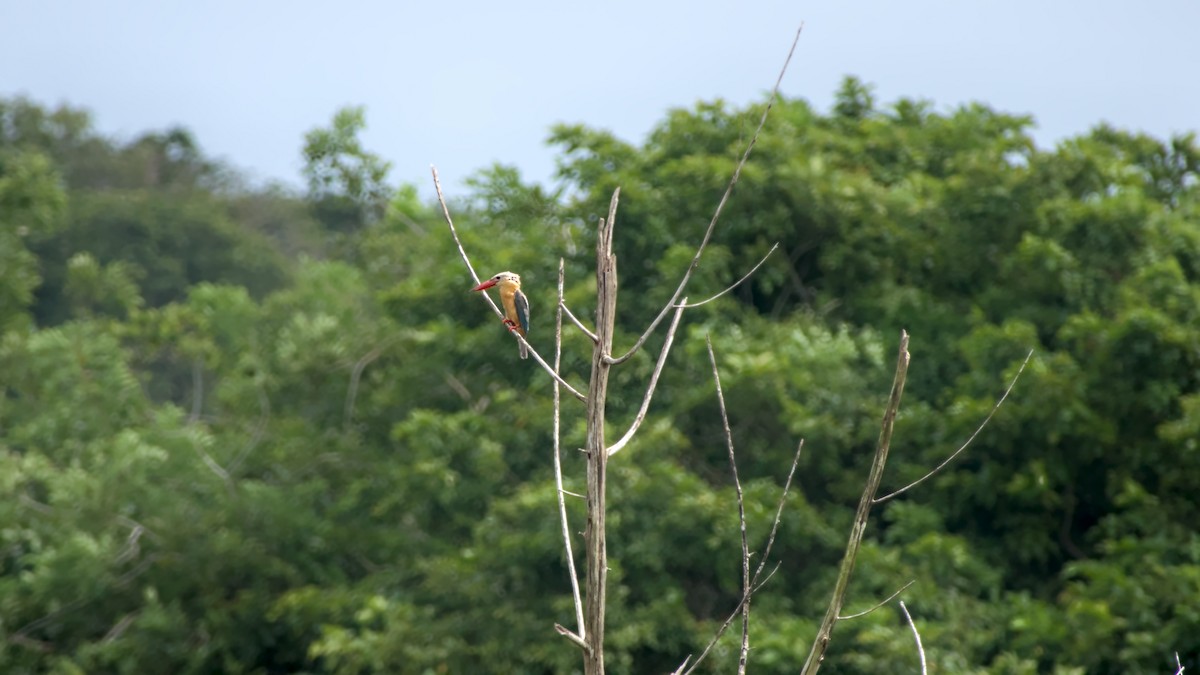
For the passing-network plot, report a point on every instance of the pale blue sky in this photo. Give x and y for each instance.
(465, 84)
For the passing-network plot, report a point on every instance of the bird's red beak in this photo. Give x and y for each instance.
(485, 285)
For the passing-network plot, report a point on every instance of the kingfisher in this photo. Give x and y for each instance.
(516, 306)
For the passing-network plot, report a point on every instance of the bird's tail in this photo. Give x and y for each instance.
(524, 350)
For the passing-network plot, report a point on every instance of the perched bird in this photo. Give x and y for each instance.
(516, 307)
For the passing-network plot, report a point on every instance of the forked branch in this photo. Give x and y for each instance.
(641, 414)
(712, 224)
(957, 452)
(878, 604)
(755, 585)
(578, 324)
(817, 654)
(684, 302)
(744, 654)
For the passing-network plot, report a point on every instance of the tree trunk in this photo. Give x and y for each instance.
(597, 455)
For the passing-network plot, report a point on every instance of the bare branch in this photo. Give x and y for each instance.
(881, 604)
(132, 547)
(212, 464)
(135, 525)
(119, 628)
(356, 376)
(1178, 664)
(30, 502)
(762, 562)
(717, 636)
(577, 322)
(641, 414)
(679, 670)
(737, 172)
(956, 453)
(457, 385)
(817, 654)
(260, 427)
(542, 362)
(437, 184)
(755, 585)
(30, 643)
(558, 479)
(744, 655)
(920, 649)
(21, 636)
(759, 585)
(737, 283)
(579, 642)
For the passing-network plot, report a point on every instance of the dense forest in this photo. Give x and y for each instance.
(251, 429)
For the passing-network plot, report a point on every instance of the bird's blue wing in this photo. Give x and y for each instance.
(522, 306)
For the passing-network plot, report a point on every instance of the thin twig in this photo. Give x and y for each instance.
(457, 385)
(577, 322)
(212, 464)
(437, 184)
(558, 479)
(787, 484)
(21, 635)
(744, 655)
(737, 172)
(38, 624)
(757, 587)
(679, 670)
(260, 427)
(356, 376)
(881, 604)
(957, 452)
(135, 525)
(737, 283)
(658, 367)
(1177, 663)
(119, 628)
(132, 547)
(762, 562)
(917, 636)
(30, 502)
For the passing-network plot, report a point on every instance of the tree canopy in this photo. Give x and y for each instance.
(254, 430)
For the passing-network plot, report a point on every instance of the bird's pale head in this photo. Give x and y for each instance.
(501, 278)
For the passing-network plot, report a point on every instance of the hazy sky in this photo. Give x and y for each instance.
(465, 84)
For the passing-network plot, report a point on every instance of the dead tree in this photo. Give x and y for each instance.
(588, 634)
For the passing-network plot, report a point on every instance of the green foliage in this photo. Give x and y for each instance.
(169, 160)
(346, 182)
(95, 289)
(31, 205)
(226, 453)
(164, 242)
